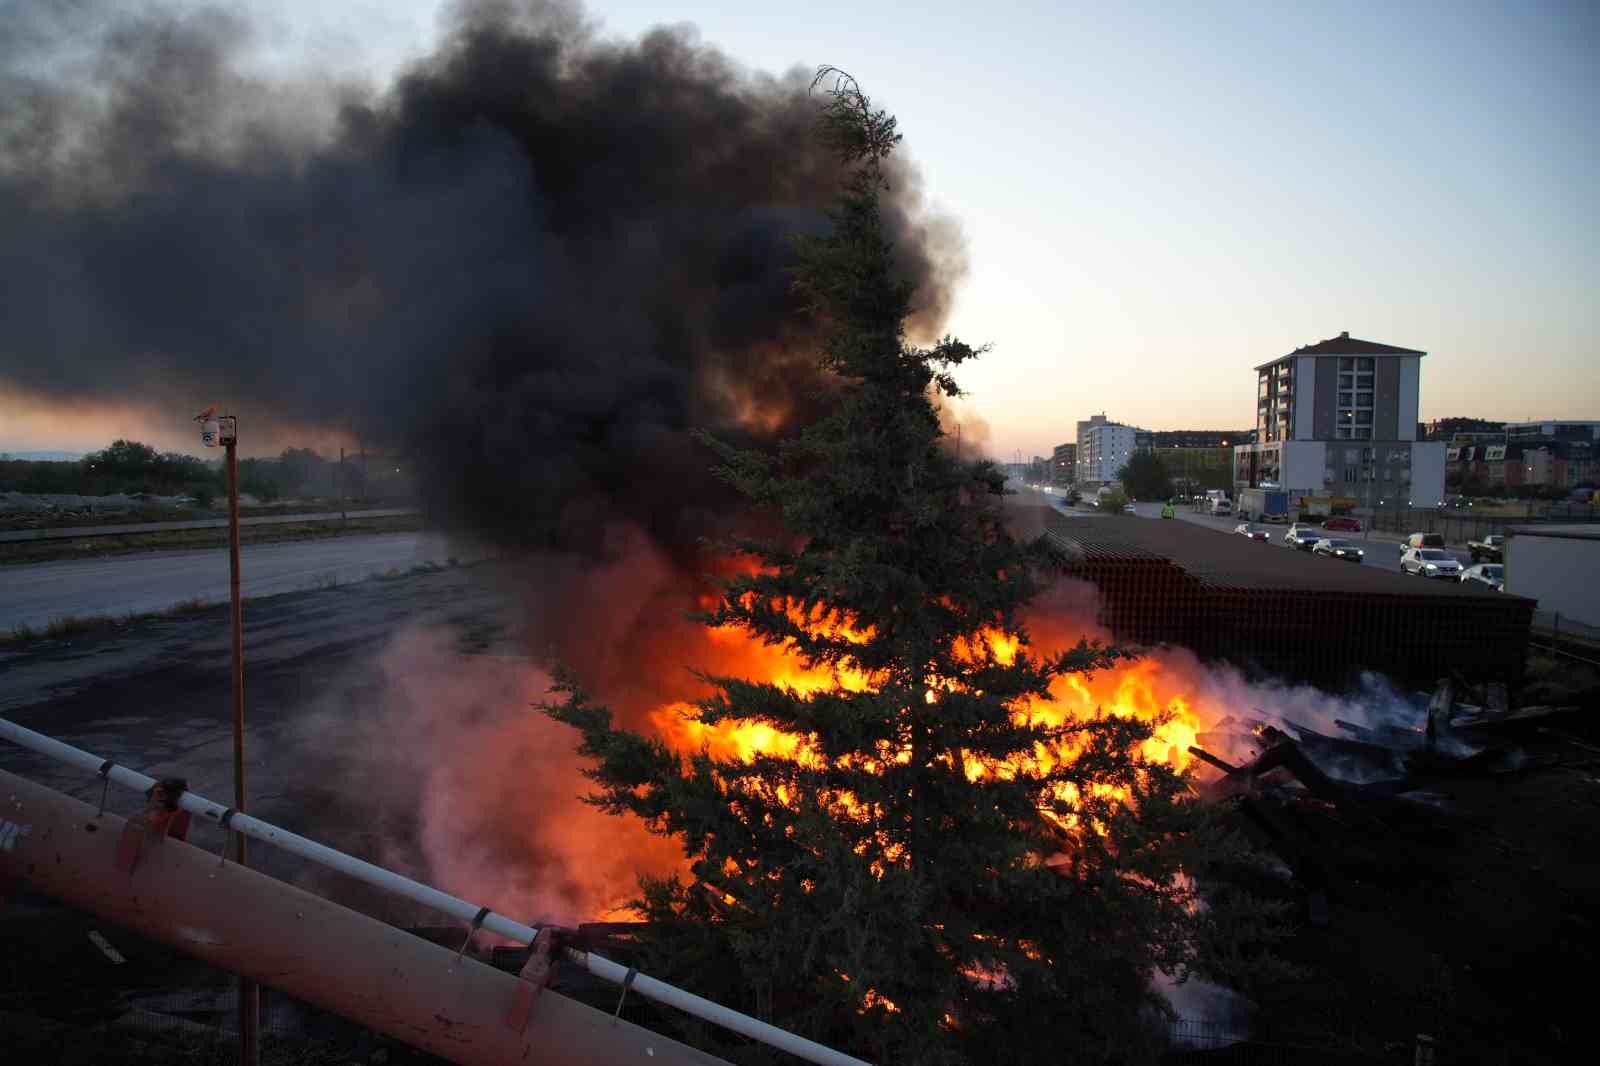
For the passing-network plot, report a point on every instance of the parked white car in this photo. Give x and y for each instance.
(1491, 576)
(1430, 562)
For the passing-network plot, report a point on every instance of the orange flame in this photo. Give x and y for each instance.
(1151, 690)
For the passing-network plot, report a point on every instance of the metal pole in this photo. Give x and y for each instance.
(249, 994)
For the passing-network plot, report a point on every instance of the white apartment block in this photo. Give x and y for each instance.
(1103, 447)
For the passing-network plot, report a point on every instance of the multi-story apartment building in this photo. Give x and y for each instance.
(1103, 447)
(1064, 465)
(1340, 418)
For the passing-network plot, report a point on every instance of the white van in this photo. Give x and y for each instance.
(1221, 505)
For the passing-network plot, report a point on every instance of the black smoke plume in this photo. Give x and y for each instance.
(534, 262)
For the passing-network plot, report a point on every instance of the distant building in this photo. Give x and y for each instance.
(1195, 438)
(1339, 418)
(1459, 429)
(1064, 465)
(1103, 447)
(1553, 430)
(1552, 464)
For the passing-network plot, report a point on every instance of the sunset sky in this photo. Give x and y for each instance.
(1157, 197)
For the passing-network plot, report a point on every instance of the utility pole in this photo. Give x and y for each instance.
(224, 430)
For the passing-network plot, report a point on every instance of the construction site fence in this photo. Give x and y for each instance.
(1460, 526)
(1208, 1043)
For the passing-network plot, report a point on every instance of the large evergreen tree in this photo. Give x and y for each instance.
(933, 875)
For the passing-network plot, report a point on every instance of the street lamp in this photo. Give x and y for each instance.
(223, 430)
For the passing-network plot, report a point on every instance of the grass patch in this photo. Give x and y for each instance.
(15, 554)
(77, 625)
(396, 573)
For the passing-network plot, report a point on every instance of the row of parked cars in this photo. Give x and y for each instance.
(1421, 555)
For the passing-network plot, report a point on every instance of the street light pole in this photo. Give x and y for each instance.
(224, 429)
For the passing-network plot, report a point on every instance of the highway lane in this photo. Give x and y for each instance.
(34, 594)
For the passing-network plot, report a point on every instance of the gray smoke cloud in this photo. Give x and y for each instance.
(535, 261)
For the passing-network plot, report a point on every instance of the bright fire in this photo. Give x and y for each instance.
(1149, 689)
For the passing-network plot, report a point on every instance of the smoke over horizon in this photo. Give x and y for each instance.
(535, 261)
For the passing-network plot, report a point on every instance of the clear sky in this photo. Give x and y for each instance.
(1158, 196)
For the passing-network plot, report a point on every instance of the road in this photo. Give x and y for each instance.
(1382, 549)
(35, 594)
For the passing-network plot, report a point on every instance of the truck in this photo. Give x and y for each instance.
(1263, 505)
(1548, 563)
(1490, 549)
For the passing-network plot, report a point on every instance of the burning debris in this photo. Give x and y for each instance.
(1318, 800)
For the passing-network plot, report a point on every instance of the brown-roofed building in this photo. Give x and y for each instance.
(1339, 418)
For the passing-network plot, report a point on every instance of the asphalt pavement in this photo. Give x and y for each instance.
(35, 594)
(1382, 549)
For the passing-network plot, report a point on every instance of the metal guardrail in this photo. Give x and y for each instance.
(13, 536)
(388, 881)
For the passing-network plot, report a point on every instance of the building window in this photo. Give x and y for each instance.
(1352, 473)
(1347, 399)
(1346, 363)
(1364, 364)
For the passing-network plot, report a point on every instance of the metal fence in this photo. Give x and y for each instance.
(1459, 526)
(67, 1000)
(198, 1026)
(1205, 1043)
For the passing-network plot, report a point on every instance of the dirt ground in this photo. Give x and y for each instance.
(156, 694)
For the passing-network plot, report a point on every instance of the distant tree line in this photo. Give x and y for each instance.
(131, 468)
